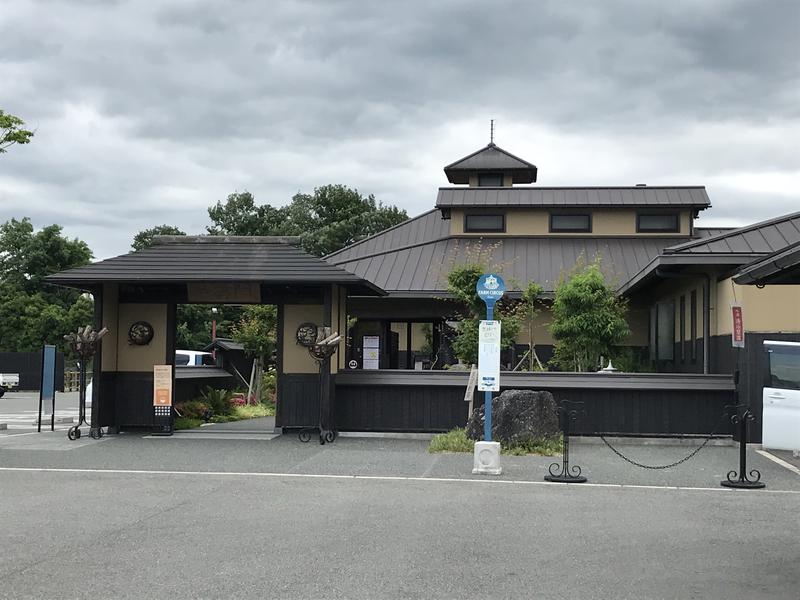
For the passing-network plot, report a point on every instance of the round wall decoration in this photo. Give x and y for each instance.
(140, 333)
(306, 334)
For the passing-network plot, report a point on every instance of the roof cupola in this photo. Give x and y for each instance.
(490, 167)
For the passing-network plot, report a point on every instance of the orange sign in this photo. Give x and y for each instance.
(162, 385)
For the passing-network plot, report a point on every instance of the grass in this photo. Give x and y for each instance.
(186, 423)
(238, 413)
(456, 440)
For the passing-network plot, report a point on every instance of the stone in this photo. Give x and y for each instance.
(518, 416)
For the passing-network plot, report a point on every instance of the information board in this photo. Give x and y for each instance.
(371, 352)
(162, 385)
(489, 356)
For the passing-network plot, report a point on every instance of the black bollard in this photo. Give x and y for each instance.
(741, 479)
(567, 474)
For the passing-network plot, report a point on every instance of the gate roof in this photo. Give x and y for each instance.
(183, 259)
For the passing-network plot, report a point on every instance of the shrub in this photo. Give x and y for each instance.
(194, 409)
(186, 423)
(218, 400)
(456, 440)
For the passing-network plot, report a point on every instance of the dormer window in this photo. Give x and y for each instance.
(485, 223)
(657, 223)
(570, 223)
(490, 180)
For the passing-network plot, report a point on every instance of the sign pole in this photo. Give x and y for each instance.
(490, 289)
(487, 395)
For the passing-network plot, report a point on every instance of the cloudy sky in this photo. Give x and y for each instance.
(149, 112)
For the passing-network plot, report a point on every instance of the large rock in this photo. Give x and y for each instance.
(518, 416)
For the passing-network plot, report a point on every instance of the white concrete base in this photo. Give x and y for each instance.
(487, 458)
(57, 420)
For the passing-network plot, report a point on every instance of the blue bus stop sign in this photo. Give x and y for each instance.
(490, 289)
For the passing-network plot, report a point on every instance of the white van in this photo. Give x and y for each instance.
(193, 358)
(781, 397)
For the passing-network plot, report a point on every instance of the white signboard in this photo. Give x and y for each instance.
(371, 352)
(489, 356)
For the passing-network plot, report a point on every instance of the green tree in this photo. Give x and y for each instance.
(144, 239)
(327, 220)
(335, 216)
(588, 319)
(194, 324)
(31, 312)
(529, 307)
(256, 331)
(461, 282)
(26, 257)
(240, 215)
(12, 132)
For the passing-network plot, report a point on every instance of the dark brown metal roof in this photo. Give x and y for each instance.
(427, 227)
(421, 269)
(616, 197)
(760, 238)
(491, 158)
(782, 267)
(181, 259)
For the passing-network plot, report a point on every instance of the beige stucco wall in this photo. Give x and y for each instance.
(537, 222)
(772, 308)
(131, 357)
(108, 345)
(295, 357)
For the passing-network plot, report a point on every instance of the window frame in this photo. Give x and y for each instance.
(468, 229)
(494, 174)
(588, 216)
(640, 229)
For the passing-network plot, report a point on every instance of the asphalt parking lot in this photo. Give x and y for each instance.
(130, 517)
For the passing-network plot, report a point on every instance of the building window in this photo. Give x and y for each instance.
(657, 223)
(484, 223)
(662, 331)
(570, 223)
(682, 325)
(693, 326)
(490, 180)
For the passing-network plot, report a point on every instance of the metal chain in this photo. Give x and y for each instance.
(676, 463)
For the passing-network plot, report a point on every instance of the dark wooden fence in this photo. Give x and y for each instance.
(29, 367)
(627, 404)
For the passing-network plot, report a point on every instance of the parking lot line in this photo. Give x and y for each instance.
(385, 478)
(780, 461)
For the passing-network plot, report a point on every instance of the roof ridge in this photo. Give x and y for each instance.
(383, 231)
(731, 232)
(576, 187)
(494, 147)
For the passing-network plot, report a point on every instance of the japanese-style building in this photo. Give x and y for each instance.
(387, 295)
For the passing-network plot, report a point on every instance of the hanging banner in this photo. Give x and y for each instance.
(162, 385)
(489, 356)
(737, 331)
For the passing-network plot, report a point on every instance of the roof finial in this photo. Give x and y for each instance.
(491, 132)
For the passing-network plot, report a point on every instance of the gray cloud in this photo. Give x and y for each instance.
(149, 112)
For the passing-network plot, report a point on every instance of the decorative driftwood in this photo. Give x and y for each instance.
(84, 341)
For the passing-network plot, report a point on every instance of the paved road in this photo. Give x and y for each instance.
(381, 519)
(19, 410)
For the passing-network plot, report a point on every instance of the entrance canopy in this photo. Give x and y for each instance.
(199, 260)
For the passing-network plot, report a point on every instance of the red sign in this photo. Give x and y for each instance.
(737, 333)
